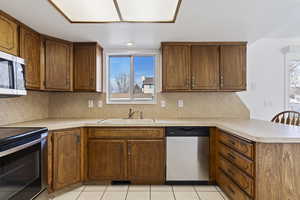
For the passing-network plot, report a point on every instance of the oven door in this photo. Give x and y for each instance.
(7, 81)
(20, 174)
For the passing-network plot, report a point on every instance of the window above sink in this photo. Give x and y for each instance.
(131, 78)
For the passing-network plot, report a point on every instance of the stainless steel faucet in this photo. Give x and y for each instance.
(131, 113)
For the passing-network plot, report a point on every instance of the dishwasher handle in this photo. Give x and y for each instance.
(187, 132)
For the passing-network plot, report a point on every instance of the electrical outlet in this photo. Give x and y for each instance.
(180, 103)
(90, 103)
(163, 104)
(100, 104)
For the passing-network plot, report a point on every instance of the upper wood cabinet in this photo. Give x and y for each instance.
(8, 34)
(30, 50)
(87, 67)
(233, 67)
(58, 66)
(203, 66)
(66, 158)
(146, 161)
(176, 70)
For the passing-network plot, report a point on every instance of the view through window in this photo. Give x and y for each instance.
(131, 79)
(294, 84)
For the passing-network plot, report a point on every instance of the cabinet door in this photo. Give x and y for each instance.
(176, 68)
(107, 159)
(58, 66)
(205, 67)
(85, 66)
(30, 49)
(66, 158)
(233, 68)
(8, 35)
(146, 161)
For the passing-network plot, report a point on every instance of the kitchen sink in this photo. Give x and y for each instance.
(127, 121)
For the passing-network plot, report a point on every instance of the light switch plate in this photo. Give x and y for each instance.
(180, 103)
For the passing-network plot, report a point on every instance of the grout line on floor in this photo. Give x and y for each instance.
(127, 192)
(222, 195)
(173, 192)
(102, 196)
(196, 192)
(150, 192)
(79, 194)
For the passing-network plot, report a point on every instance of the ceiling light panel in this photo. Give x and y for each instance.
(148, 10)
(87, 10)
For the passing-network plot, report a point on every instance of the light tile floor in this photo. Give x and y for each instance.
(144, 192)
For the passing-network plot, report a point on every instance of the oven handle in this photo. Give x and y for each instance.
(19, 148)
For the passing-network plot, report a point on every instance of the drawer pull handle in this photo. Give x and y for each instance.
(231, 142)
(231, 190)
(231, 156)
(230, 172)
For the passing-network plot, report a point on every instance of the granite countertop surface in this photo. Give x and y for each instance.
(254, 130)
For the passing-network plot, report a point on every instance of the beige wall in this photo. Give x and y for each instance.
(196, 105)
(31, 107)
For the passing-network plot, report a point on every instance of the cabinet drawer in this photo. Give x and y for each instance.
(230, 188)
(240, 161)
(243, 147)
(246, 183)
(126, 133)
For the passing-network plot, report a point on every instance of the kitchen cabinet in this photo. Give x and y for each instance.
(58, 65)
(132, 154)
(252, 170)
(107, 159)
(30, 49)
(146, 161)
(176, 70)
(87, 67)
(8, 34)
(233, 67)
(64, 158)
(203, 66)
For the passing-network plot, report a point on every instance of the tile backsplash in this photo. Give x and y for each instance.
(195, 105)
(40, 105)
(18, 109)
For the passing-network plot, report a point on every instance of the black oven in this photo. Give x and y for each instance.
(21, 168)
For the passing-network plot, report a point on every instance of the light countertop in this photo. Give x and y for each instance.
(255, 130)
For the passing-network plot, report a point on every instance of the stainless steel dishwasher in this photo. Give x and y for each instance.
(187, 155)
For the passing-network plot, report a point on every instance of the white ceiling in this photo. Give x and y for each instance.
(198, 20)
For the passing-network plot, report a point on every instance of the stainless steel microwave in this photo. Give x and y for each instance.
(12, 75)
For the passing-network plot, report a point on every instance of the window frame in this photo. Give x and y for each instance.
(132, 54)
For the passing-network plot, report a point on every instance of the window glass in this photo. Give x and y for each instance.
(119, 77)
(131, 79)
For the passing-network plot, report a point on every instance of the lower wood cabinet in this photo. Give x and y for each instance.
(64, 150)
(126, 157)
(146, 161)
(107, 159)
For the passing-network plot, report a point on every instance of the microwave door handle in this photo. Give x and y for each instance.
(19, 148)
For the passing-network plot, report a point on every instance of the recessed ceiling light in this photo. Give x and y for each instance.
(130, 44)
(104, 11)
